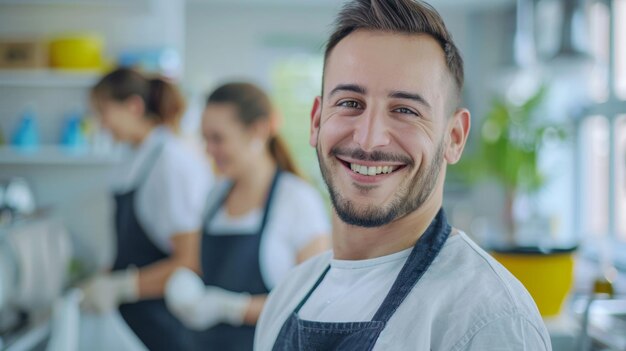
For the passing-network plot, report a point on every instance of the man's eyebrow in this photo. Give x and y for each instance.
(349, 87)
(409, 96)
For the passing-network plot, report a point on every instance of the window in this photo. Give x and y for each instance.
(620, 177)
(599, 32)
(602, 134)
(296, 79)
(619, 6)
(594, 134)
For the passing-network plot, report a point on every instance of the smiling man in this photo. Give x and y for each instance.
(399, 276)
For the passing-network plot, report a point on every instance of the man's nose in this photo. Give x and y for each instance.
(370, 130)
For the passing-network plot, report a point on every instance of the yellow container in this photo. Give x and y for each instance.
(76, 52)
(548, 277)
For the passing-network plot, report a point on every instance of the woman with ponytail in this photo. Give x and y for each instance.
(159, 199)
(261, 221)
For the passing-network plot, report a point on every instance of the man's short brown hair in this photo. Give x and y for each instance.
(398, 16)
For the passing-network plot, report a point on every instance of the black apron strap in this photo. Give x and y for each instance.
(148, 165)
(214, 208)
(308, 295)
(422, 256)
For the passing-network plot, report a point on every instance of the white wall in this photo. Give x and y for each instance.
(226, 41)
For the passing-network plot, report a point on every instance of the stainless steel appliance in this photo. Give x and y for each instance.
(35, 256)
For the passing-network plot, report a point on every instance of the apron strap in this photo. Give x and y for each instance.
(422, 256)
(308, 295)
(268, 202)
(148, 165)
(215, 205)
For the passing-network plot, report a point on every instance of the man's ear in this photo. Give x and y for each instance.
(316, 115)
(458, 130)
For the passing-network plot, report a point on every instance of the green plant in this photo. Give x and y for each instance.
(510, 141)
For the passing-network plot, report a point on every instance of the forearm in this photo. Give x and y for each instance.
(254, 309)
(152, 278)
(185, 253)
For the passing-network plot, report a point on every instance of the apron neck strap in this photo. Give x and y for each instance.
(422, 256)
(149, 163)
(270, 197)
(266, 208)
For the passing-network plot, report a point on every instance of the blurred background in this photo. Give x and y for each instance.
(543, 176)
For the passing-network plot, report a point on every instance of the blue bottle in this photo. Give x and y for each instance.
(26, 136)
(72, 137)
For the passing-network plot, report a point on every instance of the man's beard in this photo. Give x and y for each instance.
(408, 197)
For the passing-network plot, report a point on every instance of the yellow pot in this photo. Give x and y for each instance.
(548, 276)
(76, 52)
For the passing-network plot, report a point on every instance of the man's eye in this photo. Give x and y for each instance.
(405, 111)
(349, 104)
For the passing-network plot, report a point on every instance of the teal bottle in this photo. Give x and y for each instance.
(26, 136)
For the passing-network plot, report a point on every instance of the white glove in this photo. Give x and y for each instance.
(104, 292)
(199, 307)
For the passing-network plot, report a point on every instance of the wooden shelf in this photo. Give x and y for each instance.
(48, 78)
(54, 155)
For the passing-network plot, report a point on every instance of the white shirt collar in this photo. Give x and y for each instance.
(132, 168)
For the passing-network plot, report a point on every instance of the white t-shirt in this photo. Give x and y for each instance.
(464, 301)
(297, 216)
(170, 200)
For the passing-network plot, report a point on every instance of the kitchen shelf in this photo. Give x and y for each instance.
(48, 78)
(55, 155)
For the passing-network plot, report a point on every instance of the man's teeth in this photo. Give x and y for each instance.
(372, 170)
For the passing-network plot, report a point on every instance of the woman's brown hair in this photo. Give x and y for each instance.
(254, 105)
(163, 102)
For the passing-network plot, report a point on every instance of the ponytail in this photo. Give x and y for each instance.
(281, 155)
(165, 102)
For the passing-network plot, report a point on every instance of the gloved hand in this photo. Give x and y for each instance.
(199, 307)
(105, 291)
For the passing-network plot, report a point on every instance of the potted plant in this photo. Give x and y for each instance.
(510, 141)
(511, 138)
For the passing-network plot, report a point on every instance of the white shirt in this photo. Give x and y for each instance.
(464, 301)
(297, 216)
(170, 200)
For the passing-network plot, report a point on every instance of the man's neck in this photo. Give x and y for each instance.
(359, 243)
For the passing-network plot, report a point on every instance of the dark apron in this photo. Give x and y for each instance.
(231, 262)
(151, 321)
(303, 335)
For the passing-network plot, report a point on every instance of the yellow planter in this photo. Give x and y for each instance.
(548, 277)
